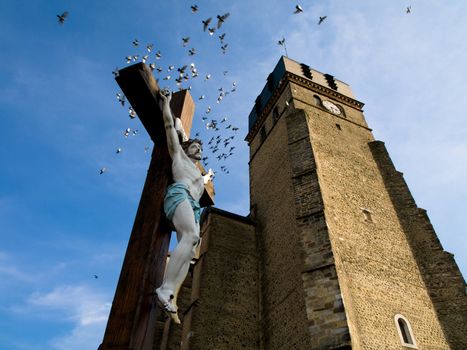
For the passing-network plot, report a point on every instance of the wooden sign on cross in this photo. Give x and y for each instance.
(132, 319)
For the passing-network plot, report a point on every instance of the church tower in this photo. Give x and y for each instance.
(346, 258)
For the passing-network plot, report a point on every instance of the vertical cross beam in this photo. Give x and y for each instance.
(133, 315)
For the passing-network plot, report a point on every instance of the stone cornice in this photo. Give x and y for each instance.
(304, 82)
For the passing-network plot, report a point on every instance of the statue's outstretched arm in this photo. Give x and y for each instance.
(172, 138)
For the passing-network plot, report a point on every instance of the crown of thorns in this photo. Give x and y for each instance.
(187, 144)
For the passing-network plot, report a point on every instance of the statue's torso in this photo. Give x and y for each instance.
(185, 171)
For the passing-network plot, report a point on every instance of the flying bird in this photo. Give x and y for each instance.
(409, 9)
(102, 170)
(62, 17)
(222, 36)
(119, 150)
(191, 51)
(126, 132)
(207, 77)
(194, 8)
(135, 43)
(224, 48)
(298, 9)
(96, 277)
(185, 41)
(149, 47)
(321, 19)
(115, 72)
(206, 23)
(221, 19)
(131, 113)
(211, 30)
(152, 66)
(158, 55)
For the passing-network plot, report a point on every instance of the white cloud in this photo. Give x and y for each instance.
(84, 307)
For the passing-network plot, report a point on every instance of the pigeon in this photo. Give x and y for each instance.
(152, 66)
(115, 72)
(144, 58)
(224, 48)
(409, 9)
(221, 19)
(128, 59)
(170, 68)
(185, 41)
(281, 42)
(201, 97)
(211, 30)
(102, 170)
(119, 150)
(191, 51)
(207, 77)
(194, 8)
(298, 9)
(158, 55)
(167, 77)
(132, 113)
(321, 19)
(149, 47)
(221, 37)
(225, 72)
(126, 132)
(206, 23)
(121, 98)
(208, 110)
(96, 277)
(62, 17)
(135, 43)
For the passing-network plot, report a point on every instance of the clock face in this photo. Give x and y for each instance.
(331, 107)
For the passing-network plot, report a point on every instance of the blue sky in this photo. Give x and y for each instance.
(62, 223)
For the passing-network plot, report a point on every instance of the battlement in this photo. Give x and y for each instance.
(288, 69)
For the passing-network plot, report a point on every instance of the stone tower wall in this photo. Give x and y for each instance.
(283, 315)
(377, 270)
(442, 277)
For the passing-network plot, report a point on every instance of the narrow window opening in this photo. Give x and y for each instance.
(342, 111)
(275, 114)
(318, 101)
(263, 134)
(405, 332)
(367, 215)
(338, 126)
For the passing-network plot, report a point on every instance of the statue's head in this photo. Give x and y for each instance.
(193, 148)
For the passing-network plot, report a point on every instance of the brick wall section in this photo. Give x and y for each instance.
(376, 268)
(225, 310)
(442, 277)
(326, 315)
(283, 315)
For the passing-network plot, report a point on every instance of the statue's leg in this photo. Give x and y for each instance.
(179, 263)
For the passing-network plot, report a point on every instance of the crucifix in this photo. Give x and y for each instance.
(132, 319)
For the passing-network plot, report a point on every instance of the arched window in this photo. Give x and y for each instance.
(405, 331)
(275, 114)
(342, 110)
(318, 101)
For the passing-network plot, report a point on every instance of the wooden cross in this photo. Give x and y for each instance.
(132, 319)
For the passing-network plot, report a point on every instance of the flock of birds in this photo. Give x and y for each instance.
(219, 145)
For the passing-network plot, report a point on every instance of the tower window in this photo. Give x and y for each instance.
(318, 101)
(275, 114)
(367, 215)
(405, 331)
(338, 127)
(262, 134)
(342, 110)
